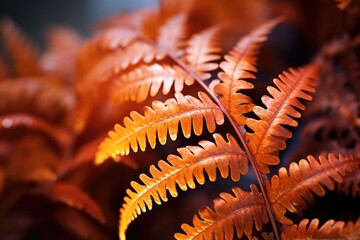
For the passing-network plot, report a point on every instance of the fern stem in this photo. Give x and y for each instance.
(240, 131)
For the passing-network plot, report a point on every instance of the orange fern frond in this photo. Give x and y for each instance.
(172, 35)
(270, 135)
(157, 121)
(351, 184)
(20, 50)
(12, 121)
(237, 211)
(329, 230)
(181, 171)
(63, 44)
(102, 44)
(115, 62)
(238, 66)
(291, 190)
(147, 79)
(74, 197)
(202, 51)
(36, 96)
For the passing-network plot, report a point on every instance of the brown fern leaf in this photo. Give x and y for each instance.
(36, 96)
(202, 51)
(172, 33)
(329, 230)
(157, 121)
(351, 184)
(113, 63)
(270, 135)
(21, 51)
(74, 197)
(99, 46)
(237, 211)
(79, 226)
(136, 85)
(292, 190)
(237, 67)
(63, 44)
(181, 171)
(12, 121)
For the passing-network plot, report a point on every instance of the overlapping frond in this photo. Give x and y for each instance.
(351, 184)
(157, 121)
(202, 51)
(73, 196)
(115, 62)
(181, 170)
(239, 211)
(36, 96)
(238, 66)
(62, 44)
(329, 230)
(291, 190)
(148, 79)
(172, 34)
(19, 48)
(282, 107)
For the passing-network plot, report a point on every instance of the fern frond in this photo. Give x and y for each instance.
(329, 230)
(157, 121)
(102, 44)
(291, 190)
(202, 51)
(238, 66)
(73, 196)
(181, 171)
(237, 211)
(137, 84)
(351, 184)
(113, 63)
(20, 50)
(172, 34)
(36, 96)
(270, 135)
(12, 121)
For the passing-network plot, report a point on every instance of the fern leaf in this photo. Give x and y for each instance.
(102, 44)
(157, 121)
(113, 63)
(329, 230)
(137, 84)
(351, 184)
(291, 190)
(270, 135)
(21, 51)
(172, 33)
(79, 225)
(36, 96)
(63, 44)
(237, 211)
(237, 67)
(12, 121)
(181, 170)
(73, 196)
(201, 53)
